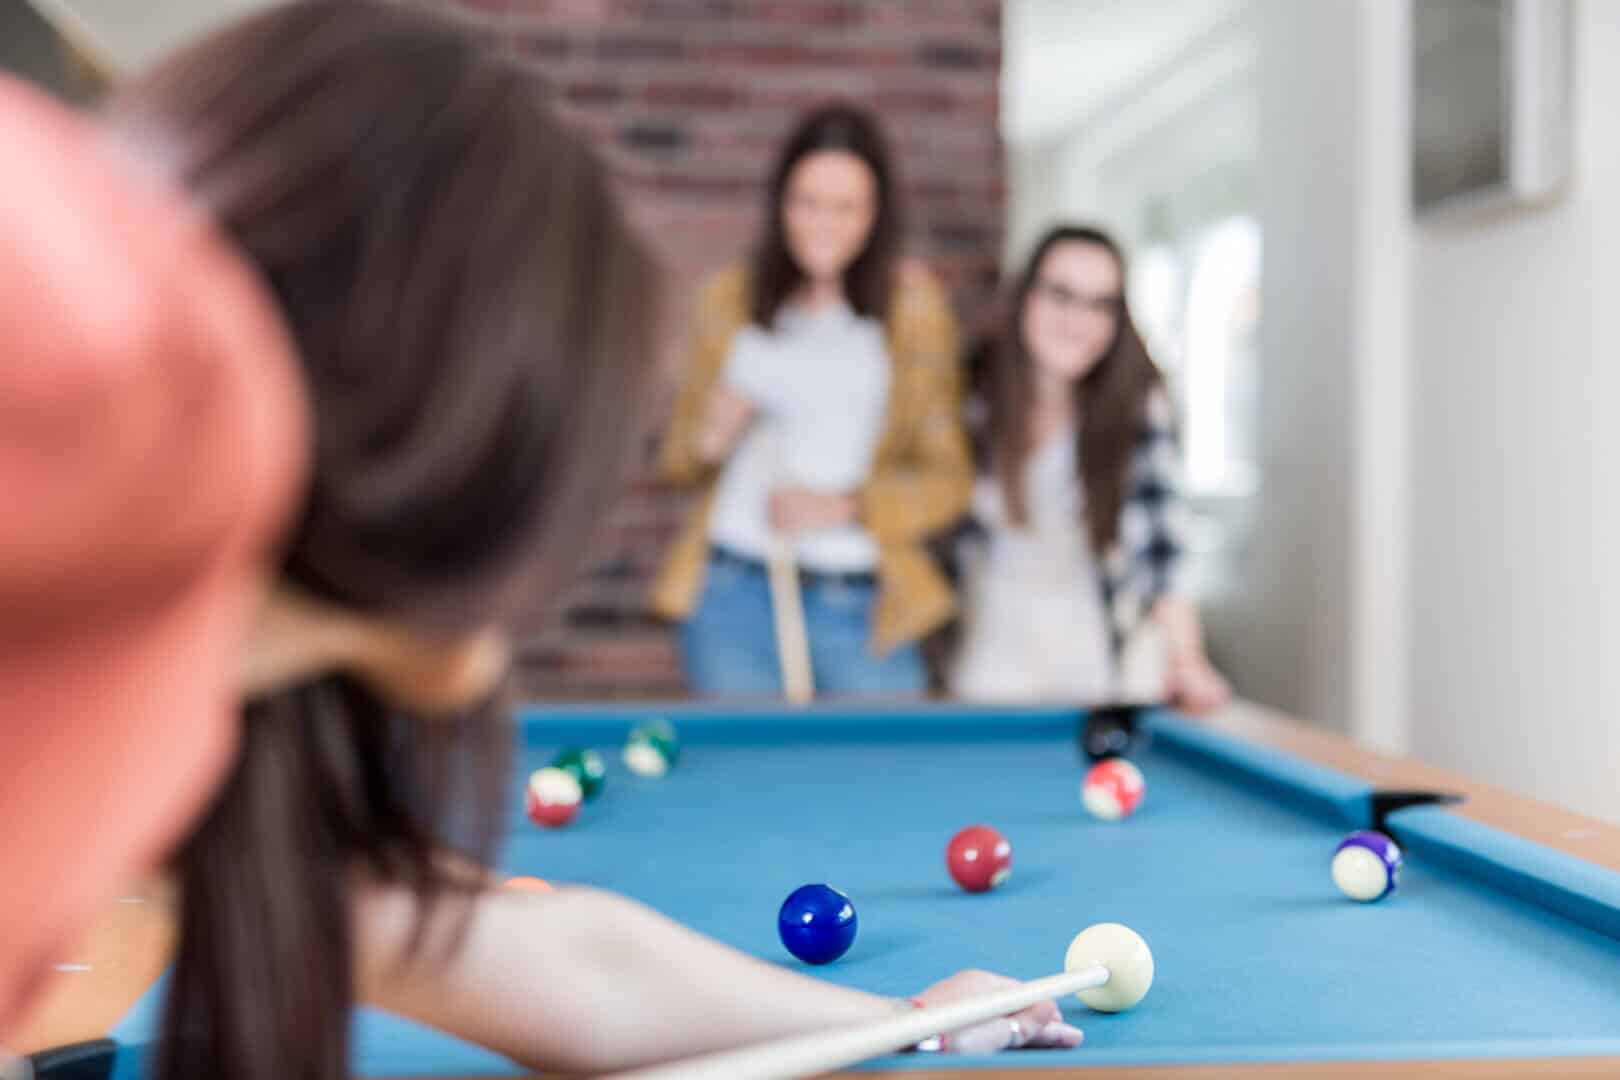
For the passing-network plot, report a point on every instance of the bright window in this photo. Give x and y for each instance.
(1198, 304)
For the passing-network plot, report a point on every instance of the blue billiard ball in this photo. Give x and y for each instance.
(817, 924)
(1367, 866)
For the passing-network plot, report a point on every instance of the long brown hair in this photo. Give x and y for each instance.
(444, 251)
(869, 281)
(1111, 399)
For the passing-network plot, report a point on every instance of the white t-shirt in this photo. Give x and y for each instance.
(820, 380)
(1034, 627)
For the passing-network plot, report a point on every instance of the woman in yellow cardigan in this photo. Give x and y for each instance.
(822, 404)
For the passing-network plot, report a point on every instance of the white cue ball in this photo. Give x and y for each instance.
(1126, 956)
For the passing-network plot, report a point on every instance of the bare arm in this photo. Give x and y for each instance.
(585, 981)
(1194, 683)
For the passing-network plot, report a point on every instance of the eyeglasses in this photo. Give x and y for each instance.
(1068, 300)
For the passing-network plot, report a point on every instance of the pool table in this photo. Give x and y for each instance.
(1498, 956)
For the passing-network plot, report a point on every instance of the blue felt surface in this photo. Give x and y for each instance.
(698, 725)
(1310, 787)
(1224, 870)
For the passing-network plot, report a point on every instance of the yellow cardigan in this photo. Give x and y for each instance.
(922, 474)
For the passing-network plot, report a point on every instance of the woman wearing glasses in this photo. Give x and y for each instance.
(1082, 575)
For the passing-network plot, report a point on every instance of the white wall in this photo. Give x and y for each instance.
(1292, 600)
(30, 48)
(1051, 180)
(1317, 624)
(1382, 420)
(1516, 560)
(1067, 61)
(1437, 565)
(1087, 141)
(127, 35)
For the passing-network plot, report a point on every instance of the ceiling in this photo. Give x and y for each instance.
(126, 35)
(1067, 59)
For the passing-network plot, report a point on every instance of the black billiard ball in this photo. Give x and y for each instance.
(1108, 732)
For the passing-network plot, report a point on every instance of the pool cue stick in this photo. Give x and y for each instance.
(94, 1057)
(787, 601)
(787, 612)
(818, 1052)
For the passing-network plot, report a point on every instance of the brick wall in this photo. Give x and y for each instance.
(689, 99)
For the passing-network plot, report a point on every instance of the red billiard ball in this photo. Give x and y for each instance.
(979, 858)
(1113, 789)
(553, 798)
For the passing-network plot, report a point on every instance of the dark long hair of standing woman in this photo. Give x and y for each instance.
(1110, 400)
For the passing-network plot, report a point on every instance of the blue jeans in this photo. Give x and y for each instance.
(728, 646)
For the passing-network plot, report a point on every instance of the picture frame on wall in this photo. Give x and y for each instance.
(1492, 87)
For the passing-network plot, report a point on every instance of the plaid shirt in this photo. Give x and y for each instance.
(1148, 560)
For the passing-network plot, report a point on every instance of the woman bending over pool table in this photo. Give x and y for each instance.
(461, 306)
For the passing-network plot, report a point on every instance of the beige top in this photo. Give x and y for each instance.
(1034, 628)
